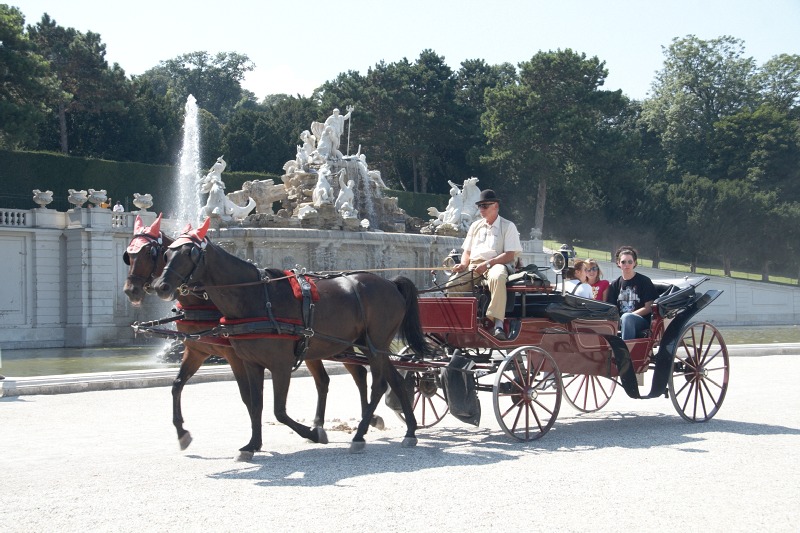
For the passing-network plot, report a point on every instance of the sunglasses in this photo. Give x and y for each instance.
(627, 262)
(592, 269)
(484, 206)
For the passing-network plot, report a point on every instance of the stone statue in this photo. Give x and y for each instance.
(328, 135)
(322, 194)
(304, 152)
(42, 198)
(76, 198)
(461, 210)
(336, 121)
(325, 148)
(346, 195)
(218, 204)
(264, 192)
(348, 212)
(452, 213)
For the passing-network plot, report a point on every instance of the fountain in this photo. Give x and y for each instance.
(188, 198)
(332, 217)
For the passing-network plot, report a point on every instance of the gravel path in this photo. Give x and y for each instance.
(109, 461)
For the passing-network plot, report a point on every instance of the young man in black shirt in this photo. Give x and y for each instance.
(633, 293)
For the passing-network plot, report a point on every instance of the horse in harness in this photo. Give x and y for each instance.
(197, 316)
(270, 328)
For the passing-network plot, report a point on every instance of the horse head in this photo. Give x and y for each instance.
(144, 259)
(182, 257)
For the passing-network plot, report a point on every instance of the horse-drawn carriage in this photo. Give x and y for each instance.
(559, 345)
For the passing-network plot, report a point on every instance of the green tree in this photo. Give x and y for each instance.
(88, 85)
(214, 80)
(251, 142)
(701, 83)
(538, 128)
(779, 81)
(25, 82)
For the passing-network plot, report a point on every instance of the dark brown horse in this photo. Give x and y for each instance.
(360, 309)
(145, 258)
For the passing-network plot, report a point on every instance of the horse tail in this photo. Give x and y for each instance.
(411, 328)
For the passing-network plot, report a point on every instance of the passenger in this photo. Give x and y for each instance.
(575, 281)
(633, 293)
(491, 245)
(594, 277)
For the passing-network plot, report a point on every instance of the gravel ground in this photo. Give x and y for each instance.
(109, 461)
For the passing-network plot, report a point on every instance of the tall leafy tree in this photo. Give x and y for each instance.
(538, 128)
(701, 83)
(214, 80)
(779, 81)
(88, 84)
(26, 82)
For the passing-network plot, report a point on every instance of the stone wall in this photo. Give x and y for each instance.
(63, 273)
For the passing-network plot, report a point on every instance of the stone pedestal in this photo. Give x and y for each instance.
(47, 218)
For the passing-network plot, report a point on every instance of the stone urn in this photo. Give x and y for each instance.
(143, 201)
(42, 198)
(97, 197)
(77, 198)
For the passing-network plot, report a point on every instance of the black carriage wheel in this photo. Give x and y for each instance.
(587, 393)
(527, 393)
(429, 403)
(700, 371)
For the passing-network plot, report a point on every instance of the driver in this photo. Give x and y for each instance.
(491, 245)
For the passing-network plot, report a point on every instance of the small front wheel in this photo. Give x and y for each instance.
(700, 371)
(587, 393)
(527, 393)
(426, 393)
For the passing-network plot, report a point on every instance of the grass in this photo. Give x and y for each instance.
(601, 255)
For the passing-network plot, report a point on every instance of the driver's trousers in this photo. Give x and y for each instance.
(495, 278)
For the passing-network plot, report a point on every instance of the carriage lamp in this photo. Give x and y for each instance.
(560, 261)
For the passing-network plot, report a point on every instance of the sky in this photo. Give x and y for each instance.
(297, 45)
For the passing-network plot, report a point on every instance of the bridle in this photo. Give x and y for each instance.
(197, 256)
(155, 244)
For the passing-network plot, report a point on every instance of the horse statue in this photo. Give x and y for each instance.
(145, 259)
(270, 328)
(218, 204)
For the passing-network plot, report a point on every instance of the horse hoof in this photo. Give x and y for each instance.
(322, 436)
(185, 440)
(377, 423)
(357, 446)
(244, 456)
(409, 442)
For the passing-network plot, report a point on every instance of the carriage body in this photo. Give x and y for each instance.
(559, 344)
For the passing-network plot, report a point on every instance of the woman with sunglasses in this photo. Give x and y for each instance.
(594, 277)
(633, 293)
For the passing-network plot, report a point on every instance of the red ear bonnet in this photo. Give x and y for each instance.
(144, 234)
(197, 236)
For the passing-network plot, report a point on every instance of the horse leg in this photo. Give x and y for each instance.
(255, 382)
(240, 374)
(397, 383)
(377, 391)
(191, 361)
(359, 374)
(280, 390)
(383, 373)
(322, 382)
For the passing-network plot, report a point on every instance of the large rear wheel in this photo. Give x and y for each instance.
(527, 393)
(700, 371)
(587, 393)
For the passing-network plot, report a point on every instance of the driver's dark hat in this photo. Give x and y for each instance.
(488, 195)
